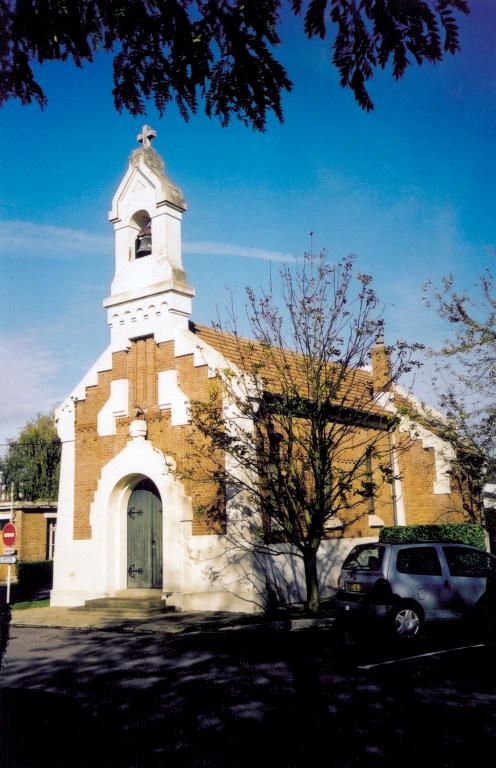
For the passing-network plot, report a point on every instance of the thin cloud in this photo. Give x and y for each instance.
(30, 382)
(26, 239)
(29, 240)
(228, 249)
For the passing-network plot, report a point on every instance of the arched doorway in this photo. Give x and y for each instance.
(144, 537)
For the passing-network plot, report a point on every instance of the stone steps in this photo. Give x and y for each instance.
(130, 604)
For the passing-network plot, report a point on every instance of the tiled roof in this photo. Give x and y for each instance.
(274, 363)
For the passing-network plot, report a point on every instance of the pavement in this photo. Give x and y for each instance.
(170, 622)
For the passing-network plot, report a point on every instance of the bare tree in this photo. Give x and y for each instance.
(466, 365)
(465, 382)
(293, 429)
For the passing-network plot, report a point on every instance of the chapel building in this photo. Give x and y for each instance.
(127, 520)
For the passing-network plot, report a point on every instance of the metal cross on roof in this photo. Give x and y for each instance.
(146, 136)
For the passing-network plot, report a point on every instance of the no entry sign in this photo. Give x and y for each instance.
(9, 534)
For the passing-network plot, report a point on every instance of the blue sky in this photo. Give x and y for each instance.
(408, 189)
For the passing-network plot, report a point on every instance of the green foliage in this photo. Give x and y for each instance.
(467, 533)
(32, 461)
(33, 575)
(217, 50)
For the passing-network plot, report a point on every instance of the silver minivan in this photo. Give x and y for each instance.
(408, 584)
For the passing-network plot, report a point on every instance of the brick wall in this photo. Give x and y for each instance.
(418, 473)
(31, 537)
(356, 518)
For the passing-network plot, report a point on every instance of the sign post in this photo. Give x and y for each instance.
(9, 536)
(8, 559)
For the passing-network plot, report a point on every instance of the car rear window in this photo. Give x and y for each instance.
(366, 557)
(422, 561)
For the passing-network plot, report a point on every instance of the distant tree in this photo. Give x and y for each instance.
(32, 461)
(220, 51)
(293, 430)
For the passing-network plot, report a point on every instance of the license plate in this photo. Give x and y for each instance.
(354, 587)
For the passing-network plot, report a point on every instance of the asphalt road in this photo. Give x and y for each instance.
(246, 698)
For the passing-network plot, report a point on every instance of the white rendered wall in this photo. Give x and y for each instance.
(163, 315)
(72, 557)
(220, 578)
(115, 407)
(144, 190)
(285, 575)
(200, 572)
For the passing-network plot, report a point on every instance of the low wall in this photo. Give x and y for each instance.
(285, 576)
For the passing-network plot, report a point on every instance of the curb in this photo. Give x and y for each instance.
(290, 625)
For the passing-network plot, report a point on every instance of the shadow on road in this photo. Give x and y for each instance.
(46, 729)
(240, 699)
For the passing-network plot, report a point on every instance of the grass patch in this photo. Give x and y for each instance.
(30, 604)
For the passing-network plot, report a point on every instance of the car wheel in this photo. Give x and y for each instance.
(406, 620)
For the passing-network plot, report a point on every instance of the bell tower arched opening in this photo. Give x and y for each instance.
(141, 222)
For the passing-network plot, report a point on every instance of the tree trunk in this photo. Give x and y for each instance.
(312, 604)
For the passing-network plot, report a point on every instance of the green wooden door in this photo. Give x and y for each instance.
(144, 537)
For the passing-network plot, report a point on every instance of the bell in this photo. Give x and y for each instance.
(144, 241)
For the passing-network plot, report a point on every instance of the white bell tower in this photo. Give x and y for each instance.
(150, 294)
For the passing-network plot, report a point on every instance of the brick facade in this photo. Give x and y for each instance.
(418, 475)
(141, 366)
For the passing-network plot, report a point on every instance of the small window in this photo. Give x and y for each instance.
(422, 561)
(51, 527)
(468, 562)
(367, 557)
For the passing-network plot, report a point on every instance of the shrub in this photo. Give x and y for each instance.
(33, 576)
(466, 533)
